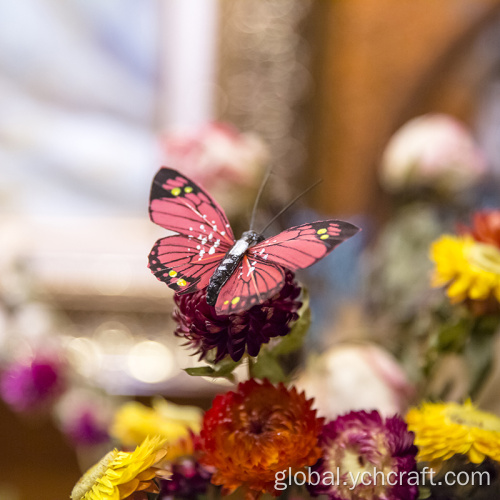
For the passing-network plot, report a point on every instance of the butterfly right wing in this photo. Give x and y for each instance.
(302, 246)
(187, 260)
(252, 283)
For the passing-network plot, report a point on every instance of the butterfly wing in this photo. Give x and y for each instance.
(186, 261)
(253, 282)
(302, 246)
(178, 204)
(184, 264)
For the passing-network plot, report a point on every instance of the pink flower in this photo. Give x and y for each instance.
(356, 377)
(362, 444)
(84, 417)
(31, 385)
(433, 151)
(223, 160)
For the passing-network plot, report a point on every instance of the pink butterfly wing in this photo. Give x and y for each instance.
(178, 204)
(253, 282)
(183, 263)
(302, 246)
(186, 261)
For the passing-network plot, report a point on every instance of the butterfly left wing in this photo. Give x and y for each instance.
(186, 261)
(253, 282)
(180, 205)
(185, 264)
(302, 246)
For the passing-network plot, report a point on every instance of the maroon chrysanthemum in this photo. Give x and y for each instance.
(188, 480)
(366, 457)
(232, 334)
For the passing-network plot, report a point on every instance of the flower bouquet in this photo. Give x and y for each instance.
(381, 417)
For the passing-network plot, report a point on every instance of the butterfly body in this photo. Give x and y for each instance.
(230, 263)
(203, 253)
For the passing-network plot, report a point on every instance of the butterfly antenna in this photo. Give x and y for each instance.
(290, 204)
(259, 194)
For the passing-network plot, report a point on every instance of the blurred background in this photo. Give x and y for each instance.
(96, 96)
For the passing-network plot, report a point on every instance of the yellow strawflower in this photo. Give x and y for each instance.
(470, 269)
(134, 421)
(446, 429)
(121, 475)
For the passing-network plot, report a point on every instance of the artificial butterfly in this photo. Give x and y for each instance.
(240, 273)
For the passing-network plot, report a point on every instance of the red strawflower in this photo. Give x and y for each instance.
(250, 435)
(486, 227)
(232, 334)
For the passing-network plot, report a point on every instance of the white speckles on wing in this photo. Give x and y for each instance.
(262, 255)
(251, 269)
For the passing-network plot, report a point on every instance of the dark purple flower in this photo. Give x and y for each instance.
(367, 457)
(188, 479)
(29, 386)
(204, 330)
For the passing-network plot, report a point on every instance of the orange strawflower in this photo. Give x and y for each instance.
(251, 434)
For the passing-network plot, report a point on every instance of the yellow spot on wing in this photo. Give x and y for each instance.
(181, 282)
(321, 231)
(188, 189)
(324, 237)
(226, 302)
(172, 273)
(235, 300)
(176, 191)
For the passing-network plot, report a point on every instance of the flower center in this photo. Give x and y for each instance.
(486, 257)
(256, 426)
(471, 417)
(91, 476)
(355, 463)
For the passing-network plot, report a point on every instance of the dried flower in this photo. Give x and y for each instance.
(84, 416)
(188, 480)
(486, 227)
(443, 430)
(359, 448)
(133, 422)
(31, 385)
(469, 269)
(222, 159)
(432, 151)
(122, 475)
(251, 434)
(204, 330)
(356, 377)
